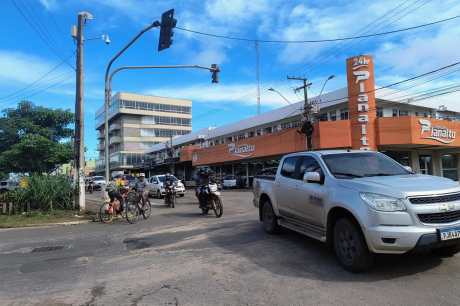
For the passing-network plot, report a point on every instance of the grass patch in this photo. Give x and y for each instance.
(38, 218)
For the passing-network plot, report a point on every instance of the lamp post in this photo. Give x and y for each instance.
(280, 94)
(324, 85)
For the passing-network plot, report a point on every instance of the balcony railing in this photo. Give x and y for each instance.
(115, 139)
(114, 127)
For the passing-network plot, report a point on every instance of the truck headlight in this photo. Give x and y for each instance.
(382, 202)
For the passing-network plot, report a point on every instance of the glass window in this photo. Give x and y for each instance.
(288, 169)
(308, 164)
(352, 165)
(403, 113)
(379, 112)
(344, 114)
(323, 117)
(333, 115)
(395, 112)
(449, 166)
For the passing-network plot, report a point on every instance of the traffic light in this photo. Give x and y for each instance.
(166, 30)
(215, 73)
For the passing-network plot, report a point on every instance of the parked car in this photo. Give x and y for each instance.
(8, 185)
(99, 182)
(361, 203)
(157, 190)
(229, 181)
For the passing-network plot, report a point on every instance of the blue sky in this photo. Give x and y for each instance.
(24, 57)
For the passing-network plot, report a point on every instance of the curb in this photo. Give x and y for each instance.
(32, 226)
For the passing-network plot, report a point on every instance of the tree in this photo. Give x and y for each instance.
(34, 138)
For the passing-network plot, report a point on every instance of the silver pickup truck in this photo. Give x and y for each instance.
(360, 203)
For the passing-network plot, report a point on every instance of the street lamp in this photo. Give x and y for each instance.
(280, 94)
(324, 84)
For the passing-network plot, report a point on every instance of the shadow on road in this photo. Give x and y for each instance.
(288, 253)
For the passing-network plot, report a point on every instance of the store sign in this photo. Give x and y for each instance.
(436, 132)
(244, 150)
(361, 100)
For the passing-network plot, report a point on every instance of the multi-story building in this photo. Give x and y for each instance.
(359, 116)
(136, 124)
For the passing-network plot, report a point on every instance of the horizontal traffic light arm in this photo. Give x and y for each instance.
(212, 69)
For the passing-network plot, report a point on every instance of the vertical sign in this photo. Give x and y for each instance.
(361, 102)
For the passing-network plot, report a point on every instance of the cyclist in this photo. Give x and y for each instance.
(113, 190)
(141, 187)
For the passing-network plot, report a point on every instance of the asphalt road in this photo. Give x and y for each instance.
(179, 257)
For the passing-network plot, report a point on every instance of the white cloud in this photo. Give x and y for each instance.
(19, 67)
(241, 93)
(49, 4)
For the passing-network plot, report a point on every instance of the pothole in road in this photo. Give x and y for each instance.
(47, 248)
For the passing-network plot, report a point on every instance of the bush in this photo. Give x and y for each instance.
(42, 192)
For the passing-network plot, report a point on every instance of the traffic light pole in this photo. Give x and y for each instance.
(108, 88)
(108, 94)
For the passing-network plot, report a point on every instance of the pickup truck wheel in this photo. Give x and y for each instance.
(350, 247)
(447, 251)
(269, 219)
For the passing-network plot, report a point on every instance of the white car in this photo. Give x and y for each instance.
(98, 181)
(229, 181)
(156, 186)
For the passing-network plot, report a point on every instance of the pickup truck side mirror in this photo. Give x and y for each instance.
(312, 177)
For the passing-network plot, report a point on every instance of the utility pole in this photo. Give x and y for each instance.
(79, 144)
(307, 116)
(256, 45)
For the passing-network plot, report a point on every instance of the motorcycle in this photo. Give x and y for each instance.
(170, 194)
(209, 198)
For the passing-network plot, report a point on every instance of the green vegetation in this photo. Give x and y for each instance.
(34, 139)
(41, 192)
(40, 218)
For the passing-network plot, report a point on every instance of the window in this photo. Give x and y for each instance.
(416, 114)
(323, 117)
(288, 169)
(344, 114)
(333, 115)
(403, 113)
(449, 166)
(395, 112)
(308, 164)
(268, 130)
(379, 112)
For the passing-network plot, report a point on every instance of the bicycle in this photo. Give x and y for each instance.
(144, 206)
(128, 209)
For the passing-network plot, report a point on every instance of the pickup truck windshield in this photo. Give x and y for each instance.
(353, 165)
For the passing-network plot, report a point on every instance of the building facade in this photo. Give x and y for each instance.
(136, 124)
(359, 116)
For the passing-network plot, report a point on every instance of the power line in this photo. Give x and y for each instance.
(318, 40)
(42, 34)
(42, 77)
(386, 20)
(343, 99)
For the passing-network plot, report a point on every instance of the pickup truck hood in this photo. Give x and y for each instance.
(403, 185)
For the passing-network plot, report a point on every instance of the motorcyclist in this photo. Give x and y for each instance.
(141, 187)
(203, 177)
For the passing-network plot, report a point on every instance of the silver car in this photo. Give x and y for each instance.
(360, 203)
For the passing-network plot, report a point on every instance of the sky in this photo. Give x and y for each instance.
(35, 38)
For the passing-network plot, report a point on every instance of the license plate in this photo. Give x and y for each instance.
(449, 233)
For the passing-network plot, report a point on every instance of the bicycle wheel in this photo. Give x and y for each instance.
(132, 212)
(147, 209)
(104, 215)
(217, 207)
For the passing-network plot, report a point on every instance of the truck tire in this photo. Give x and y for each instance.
(350, 246)
(447, 251)
(269, 219)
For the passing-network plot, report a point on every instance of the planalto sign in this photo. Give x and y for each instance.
(436, 132)
(243, 150)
